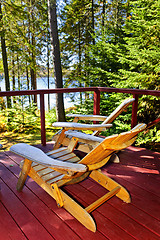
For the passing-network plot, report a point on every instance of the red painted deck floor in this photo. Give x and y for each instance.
(33, 214)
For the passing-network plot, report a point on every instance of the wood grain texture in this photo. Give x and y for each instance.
(115, 219)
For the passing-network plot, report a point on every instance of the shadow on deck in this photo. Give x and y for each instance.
(34, 215)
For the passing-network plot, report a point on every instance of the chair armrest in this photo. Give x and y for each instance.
(36, 155)
(81, 126)
(88, 117)
(84, 136)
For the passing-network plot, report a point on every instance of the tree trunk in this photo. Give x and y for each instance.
(93, 39)
(27, 75)
(128, 8)
(48, 64)
(48, 52)
(103, 13)
(5, 62)
(33, 55)
(18, 73)
(13, 72)
(13, 77)
(56, 59)
(116, 21)
(80, 58)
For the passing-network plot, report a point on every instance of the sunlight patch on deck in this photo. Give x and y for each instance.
(150, 157)
(143, 170)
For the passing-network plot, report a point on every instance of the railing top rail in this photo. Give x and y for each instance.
(46, 91)
(87, 89)
(130, 91)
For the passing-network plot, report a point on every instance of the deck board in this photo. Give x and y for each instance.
(9, 228)
(124, 222)
(33, 214)
(44, 215)
(130, 210)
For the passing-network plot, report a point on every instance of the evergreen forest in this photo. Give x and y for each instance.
(114, 43)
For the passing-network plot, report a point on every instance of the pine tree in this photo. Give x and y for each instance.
(142, 45)
(78, 23)
(142, 60)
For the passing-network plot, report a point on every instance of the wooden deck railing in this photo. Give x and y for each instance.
(96, 110)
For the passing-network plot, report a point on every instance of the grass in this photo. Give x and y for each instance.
(7, 139)
(19, 125)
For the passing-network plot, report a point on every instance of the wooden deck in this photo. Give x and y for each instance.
(33, 214)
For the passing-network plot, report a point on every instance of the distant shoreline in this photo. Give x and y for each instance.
(42, 84)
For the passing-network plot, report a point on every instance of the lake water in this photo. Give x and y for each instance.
(42, 84)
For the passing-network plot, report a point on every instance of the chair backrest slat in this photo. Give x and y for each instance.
(116, 112)
(112, 144)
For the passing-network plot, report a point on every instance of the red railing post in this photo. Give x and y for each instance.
(134, 111)
(42, 112)
(96, 107)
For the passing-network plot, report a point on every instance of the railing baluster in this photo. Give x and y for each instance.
(96, 107)
(134, 111)
(42, 112)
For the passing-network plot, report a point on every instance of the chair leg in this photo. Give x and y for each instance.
(67, 202)
(58, 195)
(114, 158)
(110, 184)
(78, 212)
(23, 174)
(60, 139)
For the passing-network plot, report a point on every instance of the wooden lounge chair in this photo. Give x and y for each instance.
(61, 167)
(61, 139)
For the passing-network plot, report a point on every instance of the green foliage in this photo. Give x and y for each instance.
(23, 125)
(108, 104)
(1, 67)
(142, 30)
(122, 123)
(20, 119)
(103, 59)
(150, 139)
(128, 58)
(132, 61)
(50, 117)
(148, 109)
(25, 25)
(76, 35)
(85, 108)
